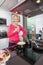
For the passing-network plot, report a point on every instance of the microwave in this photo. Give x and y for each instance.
(2, 21)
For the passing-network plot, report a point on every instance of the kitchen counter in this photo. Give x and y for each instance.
(17, 60)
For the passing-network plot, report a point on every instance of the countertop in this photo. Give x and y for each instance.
(17, 60)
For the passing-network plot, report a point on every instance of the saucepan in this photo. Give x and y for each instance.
(21, 46)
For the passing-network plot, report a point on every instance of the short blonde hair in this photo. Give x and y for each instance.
(16, 15)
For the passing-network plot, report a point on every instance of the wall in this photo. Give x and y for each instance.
(30, 24)
(39, 23)
(36, 22)
(21, 20)
(5, 14)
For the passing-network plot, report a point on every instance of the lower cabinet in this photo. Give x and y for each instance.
(4, 43)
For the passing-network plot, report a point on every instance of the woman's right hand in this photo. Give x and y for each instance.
(15, 30)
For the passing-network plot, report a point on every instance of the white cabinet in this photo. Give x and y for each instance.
(4, 43)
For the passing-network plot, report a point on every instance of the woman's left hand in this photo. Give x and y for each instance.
(21, 38)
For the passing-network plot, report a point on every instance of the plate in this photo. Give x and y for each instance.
(5, 55)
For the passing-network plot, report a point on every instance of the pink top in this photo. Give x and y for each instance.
(14, 36)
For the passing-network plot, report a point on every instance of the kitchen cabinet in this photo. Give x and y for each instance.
(4, 43)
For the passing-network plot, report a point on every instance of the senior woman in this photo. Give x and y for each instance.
(14, 30)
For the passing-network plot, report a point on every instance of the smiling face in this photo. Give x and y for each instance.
(16, 19)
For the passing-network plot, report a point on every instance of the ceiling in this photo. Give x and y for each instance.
(10, 4)
(29, 8)
(26, 7)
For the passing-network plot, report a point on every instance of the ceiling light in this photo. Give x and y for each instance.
(38, 1)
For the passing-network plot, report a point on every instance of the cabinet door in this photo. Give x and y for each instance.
(4, 43)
